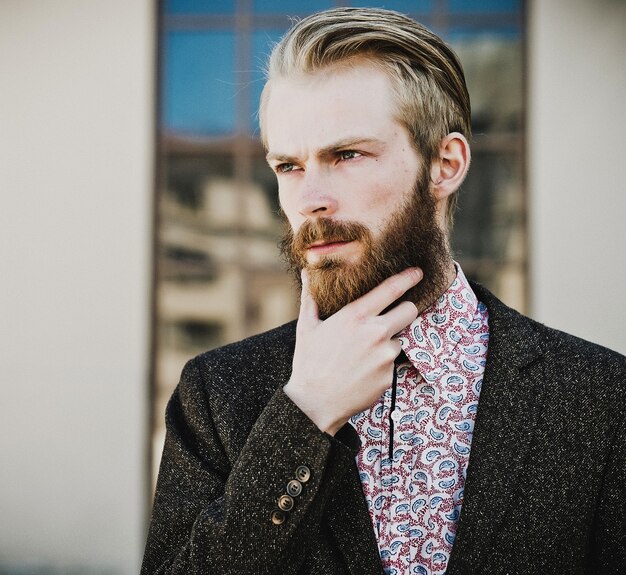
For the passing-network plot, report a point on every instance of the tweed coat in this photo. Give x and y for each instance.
(546, 482)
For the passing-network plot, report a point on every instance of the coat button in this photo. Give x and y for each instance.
(278, 517)
(303, 474)
(285, 503)
(294, 488)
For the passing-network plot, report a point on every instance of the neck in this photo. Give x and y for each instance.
(447, 277)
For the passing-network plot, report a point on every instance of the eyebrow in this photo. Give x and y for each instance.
(326, 151)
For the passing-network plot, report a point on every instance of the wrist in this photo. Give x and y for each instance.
(318, 414)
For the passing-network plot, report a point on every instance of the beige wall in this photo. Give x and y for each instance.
(577, 154)
(75, 185)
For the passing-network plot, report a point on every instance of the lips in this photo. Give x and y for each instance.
(323, 236)
(323, 247)
(320, 243)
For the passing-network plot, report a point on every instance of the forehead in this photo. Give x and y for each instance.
(312, 110)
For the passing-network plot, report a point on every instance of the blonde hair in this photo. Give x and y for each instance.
(426, 75)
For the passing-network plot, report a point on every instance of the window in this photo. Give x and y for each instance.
(219, 277)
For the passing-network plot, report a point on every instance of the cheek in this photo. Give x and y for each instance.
(380, 202)
(284, 203)
(290, 212)
(387, 204)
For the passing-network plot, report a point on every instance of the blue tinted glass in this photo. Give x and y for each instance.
(484, 5)
(459, 33)
(262, 43)
(199, 6)
(290, 7)
(404, 6)
(198, 82)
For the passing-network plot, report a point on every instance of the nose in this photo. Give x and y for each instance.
(317, 197)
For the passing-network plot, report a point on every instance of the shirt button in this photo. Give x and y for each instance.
(278, 517)
(294, 488)
(285, 503)
(396, 416)
(303, 474)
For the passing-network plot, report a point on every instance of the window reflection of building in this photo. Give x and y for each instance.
(219, 274)
(490, 227)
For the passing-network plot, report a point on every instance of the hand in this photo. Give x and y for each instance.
(343, 364)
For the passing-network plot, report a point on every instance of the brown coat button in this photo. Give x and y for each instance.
(294, 488)
(278, 517)
(303, 474)
(285, 503)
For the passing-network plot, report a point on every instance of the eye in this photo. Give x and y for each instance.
(349, 155)
(285, 168)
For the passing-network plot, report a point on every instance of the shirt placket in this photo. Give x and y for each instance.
(410, 533)
(399, 519)
(386, 470)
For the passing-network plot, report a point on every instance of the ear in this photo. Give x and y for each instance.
(448, 171)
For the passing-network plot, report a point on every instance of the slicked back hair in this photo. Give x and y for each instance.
(426, 75)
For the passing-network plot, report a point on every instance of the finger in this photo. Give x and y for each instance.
(309, 314)
(398, 317)
(397, 347)
(383, 295)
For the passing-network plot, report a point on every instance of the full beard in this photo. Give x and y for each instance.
(410, 238)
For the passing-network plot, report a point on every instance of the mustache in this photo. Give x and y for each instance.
(327, 230)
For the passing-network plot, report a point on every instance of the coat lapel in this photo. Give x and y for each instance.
(508, 409)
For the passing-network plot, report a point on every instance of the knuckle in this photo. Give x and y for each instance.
(360, 316)
(409, 305)
(396, 287)
(392, 353)
(378, 331)
(387, 360)
(409, 310)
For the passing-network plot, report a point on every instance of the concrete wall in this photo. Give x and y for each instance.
(577, 154)
(76, 142)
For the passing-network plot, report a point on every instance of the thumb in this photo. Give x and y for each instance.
(309, 314)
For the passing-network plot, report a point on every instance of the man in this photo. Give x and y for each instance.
(410, 422)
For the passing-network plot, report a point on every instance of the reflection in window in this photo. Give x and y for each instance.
(488, 6)
(493, 68)
(198, 7)
(219, 277)
(192, 334)
(289, 7)
(199, 70)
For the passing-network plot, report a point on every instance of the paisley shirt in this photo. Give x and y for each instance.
(415, 495)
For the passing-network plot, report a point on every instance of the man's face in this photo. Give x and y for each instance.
(352, 187)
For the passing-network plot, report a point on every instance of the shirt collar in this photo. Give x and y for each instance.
(434, 336)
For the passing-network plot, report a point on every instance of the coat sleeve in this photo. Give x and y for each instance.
(213, 510)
